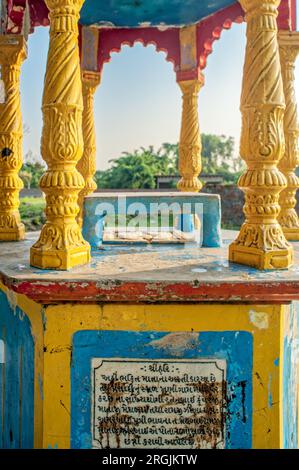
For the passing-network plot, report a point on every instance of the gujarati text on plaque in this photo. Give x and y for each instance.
(158, 404)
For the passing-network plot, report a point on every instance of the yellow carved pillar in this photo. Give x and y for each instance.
(261, 242)
(190, 141)
(87, 164)
(61, 245)
(13, 51)
(288, 218)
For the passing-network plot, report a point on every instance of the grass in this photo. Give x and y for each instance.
(32, 212)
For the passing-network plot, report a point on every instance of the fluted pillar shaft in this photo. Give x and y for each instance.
(61, 245)
(190, 141)
(87, 164)
(261, 242)
(13, 51)
(288, 218)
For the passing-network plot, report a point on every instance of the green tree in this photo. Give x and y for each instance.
(31, 171)
(218, 157)
(26, 177)
(138, 170)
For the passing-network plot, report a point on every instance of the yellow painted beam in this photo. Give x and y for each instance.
(264, 322)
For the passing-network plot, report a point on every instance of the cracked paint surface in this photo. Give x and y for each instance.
(140, 273)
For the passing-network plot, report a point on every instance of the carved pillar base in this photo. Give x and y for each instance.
(13, 235)
(60, 259)
(13, 51)
(259, 258)
(11, 227)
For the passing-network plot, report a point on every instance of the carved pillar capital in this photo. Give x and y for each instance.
(258, 7)
(190, 141)
(64, 14)
(190, 88)
(90, 80)
(63, 6)
(61, 245)
(13, 51)
(261, 242)
(87, 165)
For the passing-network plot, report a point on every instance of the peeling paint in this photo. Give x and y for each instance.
(270, 397)
(12, 300)
(291, 378)
(156, 275)
(55, 446)
(59, 349)
(259, 319)
(40, 385)
(44, 318)
(176, 343)
(259, 379)
(63, 406)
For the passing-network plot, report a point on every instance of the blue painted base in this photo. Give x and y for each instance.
(16, 378)
(236, 347)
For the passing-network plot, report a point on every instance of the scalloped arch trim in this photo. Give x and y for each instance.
(210, 30)
(166, 41)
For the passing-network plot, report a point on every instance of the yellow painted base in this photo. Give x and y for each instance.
(274, 259)
(62, 321)
(291, 234)
(60, 259)
(12, 234)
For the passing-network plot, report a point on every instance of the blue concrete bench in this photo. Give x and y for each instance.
(101, 205)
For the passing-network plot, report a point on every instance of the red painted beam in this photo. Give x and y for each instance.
(49, 292)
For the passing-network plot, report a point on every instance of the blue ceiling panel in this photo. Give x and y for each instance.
(136, 13)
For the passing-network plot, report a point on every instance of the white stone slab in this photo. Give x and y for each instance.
(160, 404)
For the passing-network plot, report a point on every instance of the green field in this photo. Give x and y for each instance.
(32, 212)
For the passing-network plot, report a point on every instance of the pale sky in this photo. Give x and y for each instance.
(138, 102)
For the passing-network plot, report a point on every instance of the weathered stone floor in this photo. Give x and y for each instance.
(149, 273)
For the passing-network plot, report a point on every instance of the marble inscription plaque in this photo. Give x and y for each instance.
(158, 404)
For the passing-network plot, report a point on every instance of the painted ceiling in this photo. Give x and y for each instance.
(134, 13)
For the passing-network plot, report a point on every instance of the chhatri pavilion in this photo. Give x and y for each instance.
(81, 41)
(85, 327)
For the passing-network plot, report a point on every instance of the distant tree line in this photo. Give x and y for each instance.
(138, 169)
(31, 171)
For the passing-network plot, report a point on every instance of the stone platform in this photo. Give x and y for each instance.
(149, 273)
